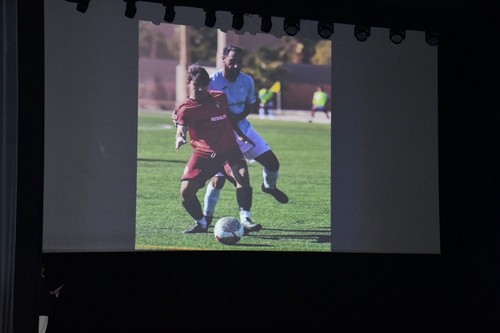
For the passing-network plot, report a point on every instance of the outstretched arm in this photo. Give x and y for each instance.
(238, 131)
(173, 116)
(180, 136)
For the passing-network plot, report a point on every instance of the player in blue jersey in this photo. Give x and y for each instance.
(239, 88)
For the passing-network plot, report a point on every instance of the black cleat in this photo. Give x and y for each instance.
(209, 220)
(277, 194)
(249, 226)
(197, 229)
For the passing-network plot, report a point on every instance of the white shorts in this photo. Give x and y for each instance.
(251, 152)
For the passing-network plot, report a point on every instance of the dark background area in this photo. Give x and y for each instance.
(457, 290)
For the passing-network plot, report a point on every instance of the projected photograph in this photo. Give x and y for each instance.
(361, 177)
(288, 206)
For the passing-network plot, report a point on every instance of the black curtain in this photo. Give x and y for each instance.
(8, 162)
(21, 163)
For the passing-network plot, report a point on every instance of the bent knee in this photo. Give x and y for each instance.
(218, 182)
(272, 165)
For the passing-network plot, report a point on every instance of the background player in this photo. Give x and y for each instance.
(318, 103)
(266, 103)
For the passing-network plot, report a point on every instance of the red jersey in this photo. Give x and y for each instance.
(210, 128)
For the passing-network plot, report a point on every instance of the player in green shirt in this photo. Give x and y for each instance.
(266, 103)
(319, 102)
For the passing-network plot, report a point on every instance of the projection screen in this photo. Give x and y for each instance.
(366, 183)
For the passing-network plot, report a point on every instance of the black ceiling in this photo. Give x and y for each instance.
(411, 14)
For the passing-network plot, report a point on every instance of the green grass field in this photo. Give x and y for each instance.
(303, 224)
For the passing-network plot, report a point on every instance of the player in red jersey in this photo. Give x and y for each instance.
(205, 116)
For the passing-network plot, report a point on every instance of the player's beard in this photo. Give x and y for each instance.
(232, 73)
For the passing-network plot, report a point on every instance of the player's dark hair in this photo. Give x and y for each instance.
(199, 74)
(232, 48)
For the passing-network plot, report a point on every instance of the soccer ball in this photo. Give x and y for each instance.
(228, 230)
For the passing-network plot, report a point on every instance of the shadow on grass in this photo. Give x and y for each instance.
(319, 236)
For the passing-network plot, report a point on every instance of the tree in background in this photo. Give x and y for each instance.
(322, 53)
(154, 43)
(267, 64)
(203, 42)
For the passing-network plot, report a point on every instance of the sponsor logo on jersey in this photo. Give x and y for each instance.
(218, 118)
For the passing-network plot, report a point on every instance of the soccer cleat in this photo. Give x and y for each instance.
(249, 226)
(197, 229)
(209, 220)
(277, 194)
